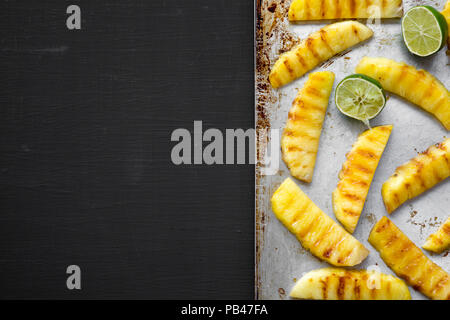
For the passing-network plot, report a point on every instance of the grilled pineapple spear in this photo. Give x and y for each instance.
(408, 261)
(300, 140)
(439, 241)
(342, 284)
(318, 47)
(417, 175)
(332, 9)
(417, 86)
(357, 174)
(316, 231)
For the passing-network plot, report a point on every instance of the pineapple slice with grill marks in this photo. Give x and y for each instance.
(439, 241)
(357, 174)
(316, 48)
(408, 261)
(316, 231)
(344, 9)
(342, 284)
(417, 175)
(300, 140)
(416, 86)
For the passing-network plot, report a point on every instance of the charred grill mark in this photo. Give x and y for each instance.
(289, 202)
(350, 196)
(441, 146)
(341, 288)
(355, 31)
(338, 9)
(325, 287)
(366, 153)
(418, 164)
(323, 36)
(407, 246)
(323, 8)
(308, 228)
(373, 293)
(358, 182)
(307, 13)
(383, 5)
(314, 107)
(404, 69)
(295, 116)
(314, 92)
(350, 212)
(419, 168)
(361, 168)
(436, 239)
(317, 78)
(322, 235)
(296, 217)
(327, 252)
(393, 238)
(446, 228)
(407, 186)
(288, 67)
(310, 46)
(388, 289)
(302, 135)
(352, 8)
(320, 4)
(382, 225)
(418, 283)
(357, 289)
(396, 198)
(275, 79)
(296, 149)
(301, 60)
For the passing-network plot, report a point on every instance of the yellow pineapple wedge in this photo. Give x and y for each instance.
(300, 140)
(344, 9)
(316, 231)
(439, 241)
(316, 48)
(446, 14)
(357, 174)
(342, 284)
(416, 86)
(408, 261)
(417, 175)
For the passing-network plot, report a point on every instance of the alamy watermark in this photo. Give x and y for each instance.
(230, 146)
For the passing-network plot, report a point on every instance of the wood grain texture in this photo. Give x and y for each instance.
(85, 171)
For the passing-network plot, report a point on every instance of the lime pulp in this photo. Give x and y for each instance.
(360, 97)
(424, 30)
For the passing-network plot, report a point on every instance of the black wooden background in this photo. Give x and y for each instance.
(85, 170)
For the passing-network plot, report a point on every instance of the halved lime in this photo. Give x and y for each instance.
(360, 97)
(424, 30)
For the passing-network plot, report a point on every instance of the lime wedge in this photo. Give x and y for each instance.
(424, 30)
(360, 97)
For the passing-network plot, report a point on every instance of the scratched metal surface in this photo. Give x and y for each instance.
(280, 259)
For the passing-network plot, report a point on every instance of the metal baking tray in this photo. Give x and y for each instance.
(279, 257)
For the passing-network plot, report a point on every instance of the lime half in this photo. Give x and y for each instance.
(360, 97)
(424, 30)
